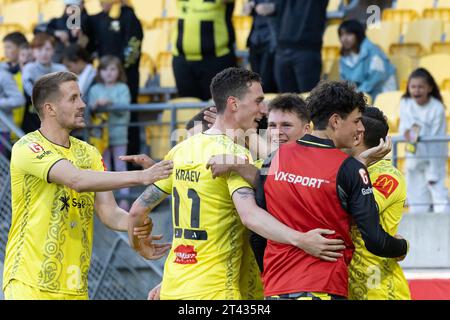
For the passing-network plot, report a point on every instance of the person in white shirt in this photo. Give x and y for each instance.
(422, 113)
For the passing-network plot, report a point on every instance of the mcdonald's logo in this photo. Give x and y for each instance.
(386, 185)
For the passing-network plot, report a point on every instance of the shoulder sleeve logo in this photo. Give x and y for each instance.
(35, 147)
(386, 185)
(364, 176)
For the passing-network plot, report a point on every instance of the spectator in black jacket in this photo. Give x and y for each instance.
(262, 44)
(299, 25)
(58, 28)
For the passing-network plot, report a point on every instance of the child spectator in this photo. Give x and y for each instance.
(10, 97)
(364, 63)
(78, 61)
(422, 113)
(25, 55)
(12, 43)
(111, 89)
(43, 49)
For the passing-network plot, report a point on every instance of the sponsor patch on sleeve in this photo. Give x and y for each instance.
(35, 147)
(386, 185)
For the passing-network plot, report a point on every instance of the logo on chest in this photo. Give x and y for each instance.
(301, 180)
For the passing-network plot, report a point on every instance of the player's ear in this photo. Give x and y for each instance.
(232, 104)
(334, 120)
(49, 109)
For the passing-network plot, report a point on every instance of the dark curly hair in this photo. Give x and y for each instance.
(330, 97)
(375, 125)
(231, 82)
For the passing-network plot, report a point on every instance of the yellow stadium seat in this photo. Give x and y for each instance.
(442, 14)
(147, 69)
(24, 13)
(242, 26)
(441, 47)
(334, 71)
(147, 10)
(403, 16)
(331, 37)
(164, 67)
(92, 6)
(443, 4)
(166, 23)
(416, 5)
(155, 40)
(158, 136)
(445, 93)
(419, 38)
(384, 34)
(404, 66)
(329, 56)
(389, 103)
(52, 9)
(438, 65)
(445, 86)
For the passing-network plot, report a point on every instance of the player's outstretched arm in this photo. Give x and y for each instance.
(263, 223)
(114, 217)
(65, 173)
(148, 200)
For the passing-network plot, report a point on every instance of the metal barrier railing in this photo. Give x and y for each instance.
(400, 139)
(150, 107)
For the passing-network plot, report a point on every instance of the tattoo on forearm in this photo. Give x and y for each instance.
(245, 193)
(151, 197)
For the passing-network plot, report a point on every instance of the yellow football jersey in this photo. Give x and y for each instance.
(372, 277)
(50, 240)
(210, 250)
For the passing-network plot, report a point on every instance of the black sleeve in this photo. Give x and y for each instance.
(356, 195)
(257, 242)
(258, 245)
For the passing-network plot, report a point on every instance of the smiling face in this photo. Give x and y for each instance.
(420, 90)
(347, 130)
(68, 108)
(285, 127)
(250, 109)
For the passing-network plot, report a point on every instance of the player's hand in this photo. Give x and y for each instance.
(145, 230)
(158, 171)
(376, 153)
(320, 247)
(224, 163)
(142, 160)
(154, 294)
(153, 251)
(210, 116)
(401, 258)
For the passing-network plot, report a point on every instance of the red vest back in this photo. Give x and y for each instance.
(301, 192)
